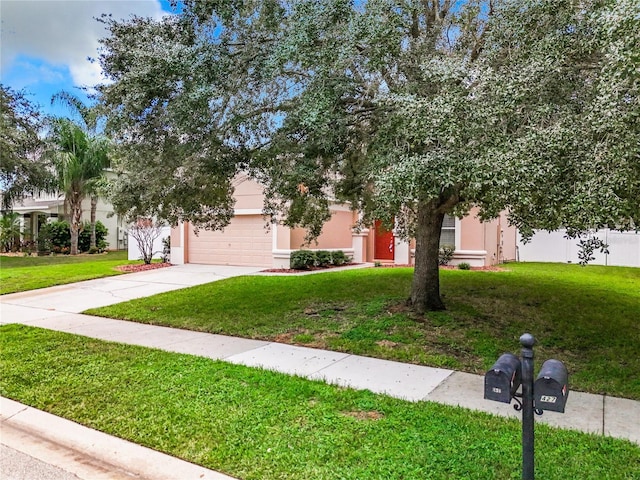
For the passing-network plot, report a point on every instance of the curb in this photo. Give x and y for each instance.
(88, 453)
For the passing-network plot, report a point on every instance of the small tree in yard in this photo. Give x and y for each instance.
(145, 232)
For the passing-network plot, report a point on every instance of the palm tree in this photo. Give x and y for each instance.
(80, 160)
(10, 230)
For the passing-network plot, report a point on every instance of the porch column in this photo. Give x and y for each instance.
(359, 243)
(401, 251)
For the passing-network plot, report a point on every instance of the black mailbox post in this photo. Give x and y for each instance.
(549, 392)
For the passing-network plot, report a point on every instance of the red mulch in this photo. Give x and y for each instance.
(142, 267)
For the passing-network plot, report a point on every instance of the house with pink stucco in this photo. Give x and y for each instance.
(246, 241)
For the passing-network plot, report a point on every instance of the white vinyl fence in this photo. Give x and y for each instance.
(624, 248)
(134, 252)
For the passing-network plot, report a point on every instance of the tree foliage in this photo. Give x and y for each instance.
(21, 168)
(407, 109)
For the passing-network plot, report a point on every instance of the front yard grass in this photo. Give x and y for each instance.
(255, 424)
(19, 274)
(588, 317)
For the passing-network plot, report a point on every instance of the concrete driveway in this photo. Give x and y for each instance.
(77, 297)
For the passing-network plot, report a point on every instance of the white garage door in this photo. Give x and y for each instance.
(244, 242)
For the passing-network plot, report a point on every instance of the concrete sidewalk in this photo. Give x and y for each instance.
(58, 308)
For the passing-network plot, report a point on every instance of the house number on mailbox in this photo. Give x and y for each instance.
(547, 399)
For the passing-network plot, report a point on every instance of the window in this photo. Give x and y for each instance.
(448, 232)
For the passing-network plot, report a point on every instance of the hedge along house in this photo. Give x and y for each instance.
(246, 241)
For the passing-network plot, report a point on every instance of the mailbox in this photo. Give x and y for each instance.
(504, 378)
(551, 389)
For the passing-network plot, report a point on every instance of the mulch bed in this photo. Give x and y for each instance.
(493, 268)
(153, 266)
(311, 269)
(142, 267)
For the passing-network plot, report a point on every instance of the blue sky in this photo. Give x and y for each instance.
(45, 44)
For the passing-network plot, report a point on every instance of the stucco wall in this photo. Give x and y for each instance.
(472, 235)
(370, 245)
(248, 194)
(115, 235)
(496, 237)
(509, 239)
(492, 241)
(336, 233)
(283, 237)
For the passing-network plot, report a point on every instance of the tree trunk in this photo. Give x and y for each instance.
(75, 223)
(94, 207)
(425, 288)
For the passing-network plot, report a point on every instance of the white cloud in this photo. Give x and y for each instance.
(29, 73)
(63, 32)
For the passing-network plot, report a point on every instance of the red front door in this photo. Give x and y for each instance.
(383, 245)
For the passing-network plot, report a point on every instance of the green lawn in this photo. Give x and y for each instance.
(254, 424)
(587, 317)
(19, 274)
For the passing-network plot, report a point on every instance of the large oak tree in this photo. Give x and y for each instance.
(409, 109)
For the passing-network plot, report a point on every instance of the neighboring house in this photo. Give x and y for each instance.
(37, 210)
(246, 241)
(624, 248)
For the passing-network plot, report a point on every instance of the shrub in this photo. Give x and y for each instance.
(339, 258)
(84, 238)
(10, 231)
(323, 258)
(464, 266)
(94, 250)
(166, 249)
(28, 246)
(54, 236)
(302, 259)
(43, 244)
(445, 254)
